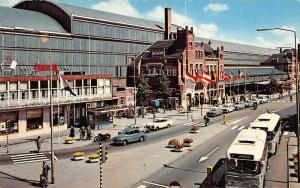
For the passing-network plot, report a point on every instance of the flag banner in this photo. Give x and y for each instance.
(212, 75)
(216, 75)
(191, 76)
(64, 85)
(225, 76)
(198, 77)
(240, 74)
(206, 78)
(233, 76)
(41, 67)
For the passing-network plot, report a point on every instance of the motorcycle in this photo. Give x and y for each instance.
(102, 137)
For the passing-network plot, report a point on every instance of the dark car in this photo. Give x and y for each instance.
(129, 135)
(214, 112)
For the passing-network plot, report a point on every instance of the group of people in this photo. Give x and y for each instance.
(85, 133)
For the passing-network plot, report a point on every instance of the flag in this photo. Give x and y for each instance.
(233, 76)
(206, 78)
(191, 76)
(216, 75)
(64, 85)
(212, 74)
(247, 76)
(198, 77)
(225, 76)
(240, 74)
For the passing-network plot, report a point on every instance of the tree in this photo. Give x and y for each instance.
(163, 88)
(143, 89)
(273, 85)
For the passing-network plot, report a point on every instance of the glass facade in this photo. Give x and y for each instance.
(93, 49)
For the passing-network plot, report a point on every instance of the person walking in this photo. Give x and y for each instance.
(72, 132)
(38, 143)
(291, 98)
(82, 133)
(224, 119)
(206, 120)
(88, 133)
(45, 171)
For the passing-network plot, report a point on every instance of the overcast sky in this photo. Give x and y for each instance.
(229, 20)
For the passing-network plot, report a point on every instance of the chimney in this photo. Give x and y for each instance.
(167, 23)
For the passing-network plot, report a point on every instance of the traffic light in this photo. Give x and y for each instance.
(103, 154)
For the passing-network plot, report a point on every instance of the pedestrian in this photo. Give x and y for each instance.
(224, 119)
(72, 132)
(291, 98)
(206, 120)
(82, 133)
(88, 132)
(38, 143)
(45, 171)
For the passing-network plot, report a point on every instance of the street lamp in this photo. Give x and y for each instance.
(297, 87)
(45, 38)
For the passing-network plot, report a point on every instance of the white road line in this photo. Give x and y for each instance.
(159, 185)
(236, 121)
(207, 156)
(285, 133)
(142, 186)
(55, 158)
(241, 128)
(232, 128)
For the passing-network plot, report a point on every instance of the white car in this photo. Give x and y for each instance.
(227, 108)
(159, 123)
(263, 99)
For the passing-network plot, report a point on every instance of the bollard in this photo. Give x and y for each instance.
(209, 175)
(100, 163)
(7, 142)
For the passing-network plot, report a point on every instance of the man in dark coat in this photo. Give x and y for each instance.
(72, 132)
(38, 144)
(45, 171)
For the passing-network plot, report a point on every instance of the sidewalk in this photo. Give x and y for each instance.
(24, 146)
(292, 149)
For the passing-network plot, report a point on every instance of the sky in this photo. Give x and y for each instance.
(228, 20)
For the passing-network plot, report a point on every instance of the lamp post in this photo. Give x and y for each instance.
(297, 87)
(46, 39)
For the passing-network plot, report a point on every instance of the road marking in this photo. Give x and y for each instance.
(55, 158)
(159, 185)
(241, 128)
(207, 156)
(232, 128)
(28, 158)
(285, 133)
(142, 186)
(236, 121)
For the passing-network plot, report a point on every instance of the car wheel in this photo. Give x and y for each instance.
(157, 128)
(125, 142)
(169, 126)
(142, 139)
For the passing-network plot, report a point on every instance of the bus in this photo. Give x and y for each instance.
(98, 118)
(271, 123)
(247, 160)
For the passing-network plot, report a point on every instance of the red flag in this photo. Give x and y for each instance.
(206, 78)
(225, 76)
(191, 76)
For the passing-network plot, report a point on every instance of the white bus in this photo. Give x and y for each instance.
(270, 123)
(247, 160)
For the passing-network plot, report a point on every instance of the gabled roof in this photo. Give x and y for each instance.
(11, 17)
(163, 44)
(280, 58)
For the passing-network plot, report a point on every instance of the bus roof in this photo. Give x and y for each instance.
(249, 142)
(267, 121)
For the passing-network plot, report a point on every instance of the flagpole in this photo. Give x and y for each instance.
(58, 110)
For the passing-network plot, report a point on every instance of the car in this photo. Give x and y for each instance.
(248, 104)
(227, 108)
(159, 123)
(263, 99)
(129, 135)
(213, 112)
(140, 127)
(239, 105)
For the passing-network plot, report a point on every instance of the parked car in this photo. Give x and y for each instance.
(129, 135)
(159, 123)
(239, 105)
(226, 108)
(263, 99)
(140, 127)
(248, 104)
(213, 112)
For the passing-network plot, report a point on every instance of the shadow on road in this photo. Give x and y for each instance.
(4, 175)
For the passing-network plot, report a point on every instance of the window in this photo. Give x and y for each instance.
(191, 69)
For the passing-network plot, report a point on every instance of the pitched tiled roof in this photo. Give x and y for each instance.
(277, 58)
(162, 44)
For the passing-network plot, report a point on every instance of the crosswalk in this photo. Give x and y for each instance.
(28, 158)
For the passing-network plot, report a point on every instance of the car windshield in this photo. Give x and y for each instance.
(160, 120)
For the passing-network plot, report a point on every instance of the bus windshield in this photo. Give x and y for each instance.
(243, 166)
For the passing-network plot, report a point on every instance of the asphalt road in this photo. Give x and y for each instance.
(188, 171)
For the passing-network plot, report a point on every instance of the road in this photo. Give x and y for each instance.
(188, 171)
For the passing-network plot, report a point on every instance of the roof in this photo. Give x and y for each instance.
(236, 47)
(249, 142)
(277, 58)
(163, 44)
(11, 17)
(97, 14)
(266, 120)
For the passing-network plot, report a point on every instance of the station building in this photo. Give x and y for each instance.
(93, 51)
